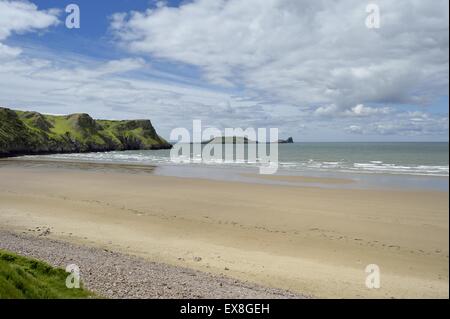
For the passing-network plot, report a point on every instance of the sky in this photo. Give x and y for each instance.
(311, 68)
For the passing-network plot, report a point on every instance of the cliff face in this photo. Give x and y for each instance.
(34, 133)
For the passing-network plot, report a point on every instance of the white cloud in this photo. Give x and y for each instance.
(360, 110)
(8, 52)
(302, 52)
(355, 129)
(327, 110)
(21, 17)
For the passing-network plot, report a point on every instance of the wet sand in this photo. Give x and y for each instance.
(301, 179)
(308, 240)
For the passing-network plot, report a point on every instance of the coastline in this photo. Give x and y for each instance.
(313, 241)
(284, 177)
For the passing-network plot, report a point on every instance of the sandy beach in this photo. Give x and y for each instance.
(312, 241)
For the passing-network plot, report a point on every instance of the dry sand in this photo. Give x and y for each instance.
(309, 240)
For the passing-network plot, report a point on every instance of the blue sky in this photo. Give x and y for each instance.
(92, 38)
(310, 68)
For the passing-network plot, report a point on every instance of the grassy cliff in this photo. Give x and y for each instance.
(34, 133)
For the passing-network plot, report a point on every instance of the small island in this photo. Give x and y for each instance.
(289, 140)
(240, 140)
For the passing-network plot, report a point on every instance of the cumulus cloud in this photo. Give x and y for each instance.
(23, 16)
(360, 110)
(303, 52)
(20, 17)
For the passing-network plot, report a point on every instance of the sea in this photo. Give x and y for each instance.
(405, 162)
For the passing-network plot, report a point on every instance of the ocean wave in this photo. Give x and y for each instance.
(437, 170)
(371, 167)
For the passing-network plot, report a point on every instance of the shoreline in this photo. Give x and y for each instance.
(318, 179)
(313, 241)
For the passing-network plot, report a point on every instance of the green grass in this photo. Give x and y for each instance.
(25, 278)
(62, 126)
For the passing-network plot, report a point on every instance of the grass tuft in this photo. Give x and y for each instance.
(26, 278)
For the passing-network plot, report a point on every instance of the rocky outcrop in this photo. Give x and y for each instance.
(289, 140)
